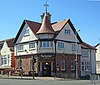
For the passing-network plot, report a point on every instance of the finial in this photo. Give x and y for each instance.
(46, 5)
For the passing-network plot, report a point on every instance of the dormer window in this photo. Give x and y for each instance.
(67, 31)
(26, 32)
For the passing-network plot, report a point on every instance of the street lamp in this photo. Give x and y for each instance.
(76, 32)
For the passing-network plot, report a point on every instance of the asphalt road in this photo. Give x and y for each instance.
(44, 82)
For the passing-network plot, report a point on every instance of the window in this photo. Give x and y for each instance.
(31, 45)
(3, 60)
(46, 44)
(26, 32)
(73, 66)
(82, 68)
(67, 32)
(63, 65)
(85, 66)
(20, 47)
(84, 53)
(60, 45)
(73, 47)
(82, 63)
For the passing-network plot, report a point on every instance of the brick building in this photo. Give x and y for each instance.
(56, 46)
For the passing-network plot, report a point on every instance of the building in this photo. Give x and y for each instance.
(98, 59)
(7, 58)
(88, 60)
(56, 47)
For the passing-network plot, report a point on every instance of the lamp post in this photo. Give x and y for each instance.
(8, 66)
(76, 32)
(33, 65)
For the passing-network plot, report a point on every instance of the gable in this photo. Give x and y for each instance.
(26, 34)
(67, 34)
(33, 26)
(5, 49)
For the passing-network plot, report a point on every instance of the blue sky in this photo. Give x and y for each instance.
(84, 14)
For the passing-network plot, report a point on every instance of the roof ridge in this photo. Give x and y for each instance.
(32, 21)
(6, 39)
(63, 20)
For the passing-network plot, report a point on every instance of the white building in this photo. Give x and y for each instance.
(7, 59)
(88, 59)
(98, 59)
(54, 46)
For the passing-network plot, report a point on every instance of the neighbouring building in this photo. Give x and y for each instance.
(56, 47)
(88, 60)
(7, 58)
(98, 59)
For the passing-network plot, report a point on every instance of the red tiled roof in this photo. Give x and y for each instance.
(85, 45)
(59, 25)
(46, 26)
(10, 42)
(34, 26)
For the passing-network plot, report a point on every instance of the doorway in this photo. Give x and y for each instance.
(46, 69)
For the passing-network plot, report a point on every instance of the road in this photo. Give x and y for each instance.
(44, 82)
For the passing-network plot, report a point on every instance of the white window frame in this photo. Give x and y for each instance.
(73, 47)
(61, 45)
(67, 31)
(85, 53)
(85, 66)
(63, 66)
(73, 65)
(46, 44)
(31, 45)
(26, 32)
(4, 60)
(20, 47)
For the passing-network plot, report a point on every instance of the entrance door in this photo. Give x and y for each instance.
(46, 69)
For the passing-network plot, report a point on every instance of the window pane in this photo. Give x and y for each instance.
(51, 44)
(82, 68)
(44, 44)
(82, 63)
(41, 44)
(47, 44)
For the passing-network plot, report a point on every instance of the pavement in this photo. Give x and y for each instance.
(31, 78)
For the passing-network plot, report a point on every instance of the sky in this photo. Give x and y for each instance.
(84, 14)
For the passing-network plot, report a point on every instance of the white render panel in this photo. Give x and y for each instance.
(26, 50)
(98, 67)
(93, 61)
(98, 53)
(68, 49)
(67, 37)
(48, 36)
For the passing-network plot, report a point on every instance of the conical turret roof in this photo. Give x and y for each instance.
(46, 27)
